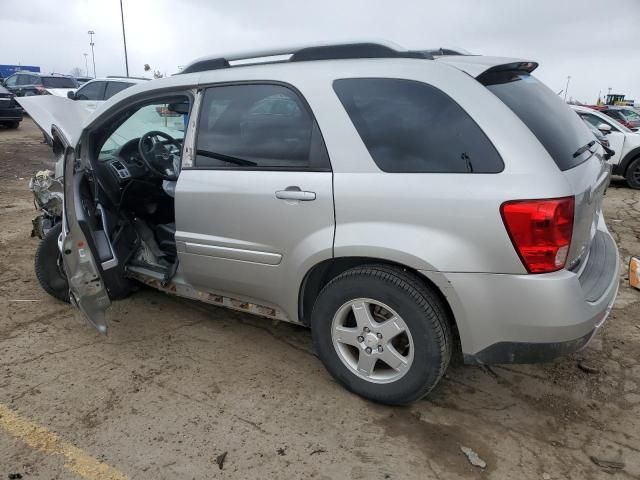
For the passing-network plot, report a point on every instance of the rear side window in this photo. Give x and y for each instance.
(257, 127)
(553, 122)
(24, 80)
(413, 127)
(115, 87)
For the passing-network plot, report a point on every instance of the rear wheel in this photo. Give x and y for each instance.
(632, 174)
(11, 124)
(48, 266)
(382, 333)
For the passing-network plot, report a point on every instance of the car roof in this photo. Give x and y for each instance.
(328, 61)
(582, 108)
(47, 75)
(119, 79)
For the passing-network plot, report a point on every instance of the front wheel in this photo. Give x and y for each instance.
(12, 124)
(632, 174)
(48, 266)
(382, 333)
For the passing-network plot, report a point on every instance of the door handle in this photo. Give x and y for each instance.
(294, 193)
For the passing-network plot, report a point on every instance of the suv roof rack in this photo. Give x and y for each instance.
(444, 51)
(308, 53)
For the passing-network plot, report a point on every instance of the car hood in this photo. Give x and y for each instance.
(50, 110)
(60, 92)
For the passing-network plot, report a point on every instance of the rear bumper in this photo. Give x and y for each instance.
(533, 318)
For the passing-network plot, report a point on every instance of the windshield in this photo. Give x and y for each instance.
(630, 115)
(552, 121)
(148, 118)
(59, 82)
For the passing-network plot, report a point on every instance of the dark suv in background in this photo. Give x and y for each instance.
(25, 84)
(10, 111)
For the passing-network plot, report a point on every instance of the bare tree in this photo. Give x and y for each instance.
(76, 72)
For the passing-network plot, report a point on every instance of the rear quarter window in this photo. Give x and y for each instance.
(412, 127)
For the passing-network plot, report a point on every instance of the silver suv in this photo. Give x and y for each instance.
(403, 207)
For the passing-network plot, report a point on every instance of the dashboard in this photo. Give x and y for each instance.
(125, 164)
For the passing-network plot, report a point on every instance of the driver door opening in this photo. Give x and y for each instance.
(127, 193)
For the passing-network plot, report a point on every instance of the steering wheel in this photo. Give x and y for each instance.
(157, 156)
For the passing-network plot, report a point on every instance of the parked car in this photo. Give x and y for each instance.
(394, 203)
(624, 142)
(10, 111)
(25, 84)
(626, 116)
(96, 91)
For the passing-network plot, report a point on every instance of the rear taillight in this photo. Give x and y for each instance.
(540, 231)
(42, 91)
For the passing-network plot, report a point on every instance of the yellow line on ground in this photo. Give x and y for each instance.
(77, 461)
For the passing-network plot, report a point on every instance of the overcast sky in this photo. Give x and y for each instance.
(596, 42)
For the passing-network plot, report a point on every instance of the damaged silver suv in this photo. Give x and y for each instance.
(400, 206)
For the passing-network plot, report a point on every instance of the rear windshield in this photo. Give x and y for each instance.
(553, 122)
(59, 82)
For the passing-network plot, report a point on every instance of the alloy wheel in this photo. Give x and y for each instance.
(372, 340)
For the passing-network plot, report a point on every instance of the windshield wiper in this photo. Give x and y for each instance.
(226, 158)
(583, 149)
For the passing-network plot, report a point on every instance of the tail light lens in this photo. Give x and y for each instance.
(540, 231)
(42, 91)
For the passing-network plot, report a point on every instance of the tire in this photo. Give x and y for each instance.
(48, 270)
(392, 292)
(632, 175)
(11, 124)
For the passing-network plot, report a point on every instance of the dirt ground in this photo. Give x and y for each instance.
(176, 384)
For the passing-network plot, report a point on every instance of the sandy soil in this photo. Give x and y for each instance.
(177, 383)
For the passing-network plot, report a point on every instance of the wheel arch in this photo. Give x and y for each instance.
(323, 272)
(626, 161)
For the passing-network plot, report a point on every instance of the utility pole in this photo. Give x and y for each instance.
(124, 39)
(86, 64)
(566, 89)
(93, 56)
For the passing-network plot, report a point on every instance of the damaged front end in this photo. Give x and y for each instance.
(48, 199)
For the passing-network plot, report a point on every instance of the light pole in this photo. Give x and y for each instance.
(86, 64)
(124, 39)
(566, 89)
(93, 56)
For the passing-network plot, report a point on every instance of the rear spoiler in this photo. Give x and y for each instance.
(479, 66)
